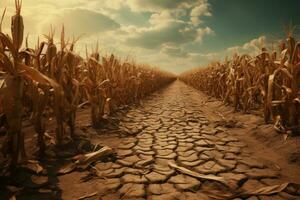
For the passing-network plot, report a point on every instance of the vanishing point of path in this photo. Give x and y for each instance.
(174, 129)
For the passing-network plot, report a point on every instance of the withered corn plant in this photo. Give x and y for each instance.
(96, 86)
(17, 76)
(12, 93)
(284, 86)
(64, 66)
(266, 81)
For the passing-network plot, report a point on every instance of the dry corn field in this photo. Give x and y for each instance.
(99, 127)
(269, 81)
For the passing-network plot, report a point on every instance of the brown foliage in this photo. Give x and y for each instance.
(268, 81)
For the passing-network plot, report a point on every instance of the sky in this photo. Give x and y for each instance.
(174, 35)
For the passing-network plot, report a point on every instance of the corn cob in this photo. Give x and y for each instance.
(17, 26)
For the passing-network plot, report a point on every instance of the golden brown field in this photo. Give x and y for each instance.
(102, 127)
(269, 81)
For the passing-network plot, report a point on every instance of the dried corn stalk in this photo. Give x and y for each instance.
(265, 81)
(96, 89)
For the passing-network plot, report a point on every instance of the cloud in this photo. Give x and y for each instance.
(174, 51)
(159, 5)
(169, 31)
(171, 21)
(252, 47)
(256, 43)
(166, 16)
(82, 21)
(201, 10)
(111, 4)
(196, 21)
(201, 32)
(197, 8)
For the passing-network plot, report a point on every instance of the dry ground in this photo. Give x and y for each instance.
(181, 125)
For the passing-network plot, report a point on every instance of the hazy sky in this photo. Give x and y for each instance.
(175, 35)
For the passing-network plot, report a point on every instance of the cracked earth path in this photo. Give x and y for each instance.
(173, 128)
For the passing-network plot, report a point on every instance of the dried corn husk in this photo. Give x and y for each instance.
(17, 26)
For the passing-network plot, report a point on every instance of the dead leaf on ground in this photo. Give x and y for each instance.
(88, 195)
(268, 190)
(291, 188)
(34, 166)
(196, 174)
(94, 156)
(82, 161)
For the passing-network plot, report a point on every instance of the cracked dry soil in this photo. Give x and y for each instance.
(175, 128)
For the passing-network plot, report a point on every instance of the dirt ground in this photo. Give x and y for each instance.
(181, 125)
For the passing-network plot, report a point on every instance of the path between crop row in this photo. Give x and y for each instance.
(175, 129)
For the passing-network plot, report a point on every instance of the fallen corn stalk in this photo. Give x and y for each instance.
(274, 189)
(88, 196)
(83, 161)
(196, 174)
(291, 188)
